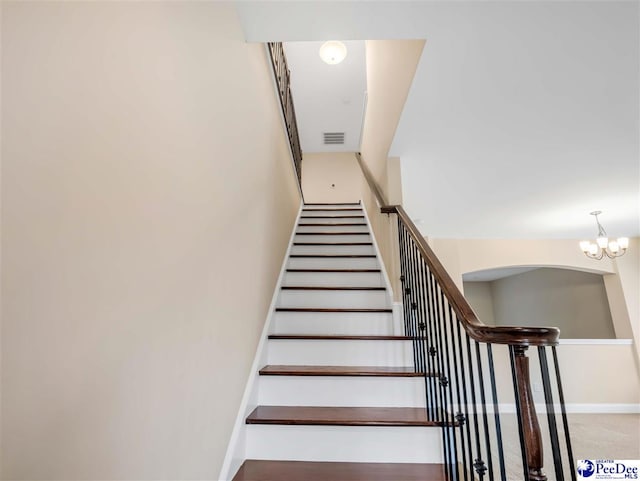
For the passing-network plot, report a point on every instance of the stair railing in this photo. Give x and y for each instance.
(465, 382)
(282, 76)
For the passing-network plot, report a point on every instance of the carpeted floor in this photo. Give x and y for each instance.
(593, 436)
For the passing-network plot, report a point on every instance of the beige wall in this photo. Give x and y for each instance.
(394, 181)
(627, 269)
(479, 254)
(460, 256)
(1, 149)
(585, 370)
(574, 301)
(331, 177)
(147, 201)
(469, 255)
(480, 298)
(391, 66)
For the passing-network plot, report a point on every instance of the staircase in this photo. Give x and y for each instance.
(342, 391)
(338, 398)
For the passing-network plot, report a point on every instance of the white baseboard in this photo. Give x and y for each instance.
(385, 277)
(398, 319)
(603, 408)
(596, 342)
(236, 449)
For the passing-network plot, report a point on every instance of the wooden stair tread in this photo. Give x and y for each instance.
(340, 416)
(365, 371)
(334, 270)
(330, 309)
(340, 209)
(331, 288)
(338, 256)
(332, 203)
(332, 233)
(333, 243)
(335, 337)
(254, 470)
(332, 217)
(325, 224)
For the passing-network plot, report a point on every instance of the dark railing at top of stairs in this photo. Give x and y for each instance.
(458, 355)
(283, 82)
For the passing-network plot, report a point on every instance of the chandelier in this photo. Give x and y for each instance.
(603, 246)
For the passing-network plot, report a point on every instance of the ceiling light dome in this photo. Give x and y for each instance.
(333, 52)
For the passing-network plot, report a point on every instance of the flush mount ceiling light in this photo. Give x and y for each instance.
(603, 246)
(333, 52)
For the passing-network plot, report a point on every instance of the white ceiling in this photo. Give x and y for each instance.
(523, 116)
(327, 98)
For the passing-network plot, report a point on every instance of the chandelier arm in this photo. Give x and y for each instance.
(595, 256)
(613, 255)
(601, 231)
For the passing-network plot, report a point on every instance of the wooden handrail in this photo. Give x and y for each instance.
(425, 282)
(373, 185)
(512, 335)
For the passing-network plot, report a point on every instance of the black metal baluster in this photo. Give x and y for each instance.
(435, 352)
(496, 405)
(440, 355)
(407, 281)
(449, 412)
(458, 376)
(423, 324)
(282, 76)
(551, 413)
(414, 305)
(418, 310)
(403, 277)
(467, 421)
(485, 421)
(516, 393)
(442, 376)
(478, 463)
(565, 422)
(430, 350)
(426, 338)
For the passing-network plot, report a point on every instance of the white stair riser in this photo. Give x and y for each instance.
(338, 323)
(332, 228)
(332, 238)
(340, 352)
(342, 391)
(336, 220)
(329, 326)
(332, 250)
(384, 444)
(349, 279)
(333, 263)
(334, 317)
(342, 299)
(313, 213)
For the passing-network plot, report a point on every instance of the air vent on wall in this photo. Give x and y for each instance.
(333, 138)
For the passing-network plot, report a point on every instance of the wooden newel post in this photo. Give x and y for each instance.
(530, 425)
